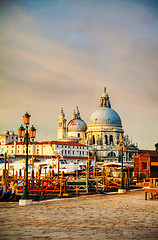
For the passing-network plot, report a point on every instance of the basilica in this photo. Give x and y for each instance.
(101, 135)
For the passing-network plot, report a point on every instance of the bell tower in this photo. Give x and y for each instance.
(61, 125)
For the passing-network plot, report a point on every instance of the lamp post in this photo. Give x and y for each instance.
(25, 138)
(122, 149)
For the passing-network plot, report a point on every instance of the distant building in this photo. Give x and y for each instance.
(102, 133)
(8, 137)
(146, 165)
(100, 138)
(75, 130)
(69, 151)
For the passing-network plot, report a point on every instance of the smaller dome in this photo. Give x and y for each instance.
(77, 125)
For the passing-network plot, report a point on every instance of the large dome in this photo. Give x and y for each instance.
(105, 116)
(77, 125)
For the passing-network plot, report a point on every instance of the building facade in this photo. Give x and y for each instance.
(146, 165)
(99, 139)
(8, 137)
(102, 133)
(69, 151)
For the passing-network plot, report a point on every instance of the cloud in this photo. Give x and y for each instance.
(48, 63)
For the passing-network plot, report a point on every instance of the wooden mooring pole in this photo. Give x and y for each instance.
(87, 174)
(58, 165)
(8, 167)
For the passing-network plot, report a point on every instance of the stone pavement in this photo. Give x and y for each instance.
(96, 217)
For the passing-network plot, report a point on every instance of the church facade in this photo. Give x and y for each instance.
(102, 133)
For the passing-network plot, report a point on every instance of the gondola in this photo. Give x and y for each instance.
(6, 196)
(1, 192)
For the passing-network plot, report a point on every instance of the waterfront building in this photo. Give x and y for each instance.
(69, 151)
(99, 139)
(146, 165)
(8, 137)
(102, 133)
(76, 128)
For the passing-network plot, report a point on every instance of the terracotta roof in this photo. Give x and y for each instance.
(52, 142)
(50, 156)
(147, 153)
(145, 150)
(11, 143)
(76, 158)
(17, 143)
(61, 143)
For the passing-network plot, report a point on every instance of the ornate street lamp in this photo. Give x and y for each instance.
(26, 138)
(122, 149)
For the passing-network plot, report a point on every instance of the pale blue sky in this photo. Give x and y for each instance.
(57, 54)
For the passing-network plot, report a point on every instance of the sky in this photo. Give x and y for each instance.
(62, 53)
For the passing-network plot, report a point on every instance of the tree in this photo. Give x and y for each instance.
(156, 147)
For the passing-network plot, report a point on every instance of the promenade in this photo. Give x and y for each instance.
(96, 217)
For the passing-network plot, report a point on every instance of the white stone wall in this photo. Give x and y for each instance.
(99, 132)
(71, 150)
(46, 150)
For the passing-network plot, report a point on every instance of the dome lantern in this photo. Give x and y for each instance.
(105, 115)
(77, 113)
(104, 100)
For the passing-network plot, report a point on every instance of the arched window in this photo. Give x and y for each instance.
(93, 139)
(111, 139)
(106, 139)
(98, 140)
(119, 159)
(90, 140)
(111, 154)
(118, 138)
